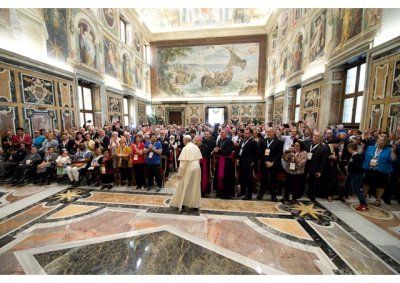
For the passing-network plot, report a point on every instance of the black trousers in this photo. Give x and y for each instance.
(313, 184)
(153, 171)
(392, 187)
(20, 170)
(246, 180)
(268, 180)
(294, 184)
(139, 175)
(125, 174)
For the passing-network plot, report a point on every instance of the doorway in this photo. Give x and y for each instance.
(216, 115)
(175, 117)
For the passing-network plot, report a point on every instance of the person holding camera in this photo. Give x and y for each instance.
(294, 162)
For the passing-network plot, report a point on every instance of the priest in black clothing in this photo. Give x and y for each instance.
(204, 166)
(247, 157)
(209, 142)
(317, 155)
(270, 152)
(224, 174)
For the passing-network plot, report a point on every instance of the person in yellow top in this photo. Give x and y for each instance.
(123, 153)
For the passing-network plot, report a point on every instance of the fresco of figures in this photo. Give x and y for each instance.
(127, 73)
(56, 24)
(160, 20)
(348, 23)
(87, 46)
(110, 16)
(110, 58)
(208, 70)
(317, 36)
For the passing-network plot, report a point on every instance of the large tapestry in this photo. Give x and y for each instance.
(56, 25)
(208, 70)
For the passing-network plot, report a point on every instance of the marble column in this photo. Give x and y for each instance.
(333, 95)
(269, 109)
(288, 110)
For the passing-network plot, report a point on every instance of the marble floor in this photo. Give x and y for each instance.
(59, 230)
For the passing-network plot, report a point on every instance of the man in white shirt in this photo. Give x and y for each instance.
(288, 140)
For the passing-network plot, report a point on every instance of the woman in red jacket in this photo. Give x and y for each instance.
(137, 156)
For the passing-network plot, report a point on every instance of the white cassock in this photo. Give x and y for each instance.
(188, 192)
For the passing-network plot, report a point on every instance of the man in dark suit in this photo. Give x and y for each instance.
(247, 157)
(164, 140)
(270, 152)
(317, 156)
(208, 141)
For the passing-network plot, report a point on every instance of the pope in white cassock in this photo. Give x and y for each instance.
(188, 192)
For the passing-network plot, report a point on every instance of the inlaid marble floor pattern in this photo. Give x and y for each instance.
(60, 230)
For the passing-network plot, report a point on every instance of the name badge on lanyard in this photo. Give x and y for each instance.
(135, 157)
(103, 170)
(150, 154)
(309, 155)
(292, 166)
(374, 160)
(267, 150)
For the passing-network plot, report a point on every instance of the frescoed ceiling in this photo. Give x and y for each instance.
(184, 19)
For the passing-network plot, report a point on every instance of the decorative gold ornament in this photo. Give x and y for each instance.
(308, 209)
(69, 195)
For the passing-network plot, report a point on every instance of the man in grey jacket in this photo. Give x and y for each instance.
(28, 165)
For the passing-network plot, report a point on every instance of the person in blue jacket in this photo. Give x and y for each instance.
(378, 164)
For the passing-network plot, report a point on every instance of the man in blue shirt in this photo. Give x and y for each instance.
(153, 150)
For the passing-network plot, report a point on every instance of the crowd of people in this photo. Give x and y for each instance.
(237, 160)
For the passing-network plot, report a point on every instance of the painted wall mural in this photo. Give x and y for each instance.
(56, 21)
(297, 52)
(372, 17)
(87, 45)
(8, 118)
(110, 17)
(138, 75)
(36, 90)
(317, 36)
(347, 24)
(39, 119)
(127, 73)
(110, 58)
(67, 119)
(396, 79)
(141, 107)
(311, 98)
(283, 25)
(376, 116)
(394, 117)
(7, 87)
(208, 70)
(65, 95)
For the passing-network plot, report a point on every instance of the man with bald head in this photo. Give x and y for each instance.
(270, 152)
(317, 155)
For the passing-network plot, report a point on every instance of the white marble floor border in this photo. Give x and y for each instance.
(351, 236)
(21, 204)
(31, 266)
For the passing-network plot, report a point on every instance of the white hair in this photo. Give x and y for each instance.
(187, 137)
